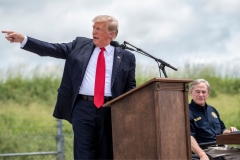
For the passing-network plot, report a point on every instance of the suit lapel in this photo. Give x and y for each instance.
(116, 63)
(87, 55)
(83, 56)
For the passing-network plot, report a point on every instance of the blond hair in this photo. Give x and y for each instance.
(112, 23)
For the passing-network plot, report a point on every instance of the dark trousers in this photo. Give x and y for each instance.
(92, 131)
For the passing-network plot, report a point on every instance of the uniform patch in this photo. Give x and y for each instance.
(197, 119)
(214, 115)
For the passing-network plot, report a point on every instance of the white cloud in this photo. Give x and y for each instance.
(223, 6)
(204, 31)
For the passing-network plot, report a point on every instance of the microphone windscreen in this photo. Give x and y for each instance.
(114, 43)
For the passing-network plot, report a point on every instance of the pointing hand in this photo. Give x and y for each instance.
(13, 36)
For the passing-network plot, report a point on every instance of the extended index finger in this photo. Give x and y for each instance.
(7, 32)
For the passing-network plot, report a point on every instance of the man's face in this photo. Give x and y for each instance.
(200, 93)
(101, 37)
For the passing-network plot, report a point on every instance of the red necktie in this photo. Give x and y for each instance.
(100, 80)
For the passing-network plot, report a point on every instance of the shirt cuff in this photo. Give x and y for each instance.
(24, 42)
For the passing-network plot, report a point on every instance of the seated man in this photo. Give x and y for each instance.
(205, 122)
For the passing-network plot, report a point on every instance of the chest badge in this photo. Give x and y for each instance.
(214, 115)
(197, 119)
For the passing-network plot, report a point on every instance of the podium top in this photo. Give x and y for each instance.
(156, 79)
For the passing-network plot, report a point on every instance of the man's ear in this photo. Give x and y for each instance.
(190, 92)
(111, 34)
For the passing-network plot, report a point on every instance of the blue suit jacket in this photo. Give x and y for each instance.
(77, 55)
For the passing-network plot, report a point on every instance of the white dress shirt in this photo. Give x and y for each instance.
(87, 87)
(24, 42)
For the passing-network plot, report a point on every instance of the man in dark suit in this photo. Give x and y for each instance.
(76, 101)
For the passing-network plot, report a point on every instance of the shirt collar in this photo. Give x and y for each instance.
(108, 49)
(198, 107)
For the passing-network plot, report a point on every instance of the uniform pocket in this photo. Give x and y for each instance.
(217, 126)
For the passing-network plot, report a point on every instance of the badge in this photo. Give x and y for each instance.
(214, 115)
(197, 119)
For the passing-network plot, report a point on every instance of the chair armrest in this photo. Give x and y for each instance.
(207, 144)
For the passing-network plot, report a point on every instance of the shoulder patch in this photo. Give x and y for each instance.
(214, 115)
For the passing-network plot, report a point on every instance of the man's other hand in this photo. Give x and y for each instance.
(233, 129)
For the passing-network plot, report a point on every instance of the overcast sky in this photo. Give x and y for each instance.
(176, 31)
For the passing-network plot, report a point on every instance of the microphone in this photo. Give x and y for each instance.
(123, 46)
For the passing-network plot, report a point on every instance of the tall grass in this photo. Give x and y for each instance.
(26, 88)
(27, 101)
(226, 82)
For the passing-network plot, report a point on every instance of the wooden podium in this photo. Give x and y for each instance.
(233, 138)
(152, 121)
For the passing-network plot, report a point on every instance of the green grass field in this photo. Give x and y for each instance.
(27, 103)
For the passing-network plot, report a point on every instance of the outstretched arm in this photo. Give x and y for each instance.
(197, 150)
(40, 47)
(13, 36)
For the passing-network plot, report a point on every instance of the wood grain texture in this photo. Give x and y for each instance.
(152, 122)
(228, 139)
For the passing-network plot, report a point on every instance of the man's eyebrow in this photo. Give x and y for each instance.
(201, 90)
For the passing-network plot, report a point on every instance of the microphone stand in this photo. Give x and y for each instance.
(161, 63)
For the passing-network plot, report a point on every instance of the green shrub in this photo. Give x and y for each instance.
(35, 94)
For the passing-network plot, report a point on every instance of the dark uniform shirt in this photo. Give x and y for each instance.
(205, 122)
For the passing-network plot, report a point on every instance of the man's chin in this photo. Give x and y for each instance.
(95, 42)
(201, 103)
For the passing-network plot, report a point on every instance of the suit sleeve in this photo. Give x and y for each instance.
(42, 48)
(131, 80)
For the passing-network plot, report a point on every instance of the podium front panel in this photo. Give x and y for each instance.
(134, 133)
(152, 123)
